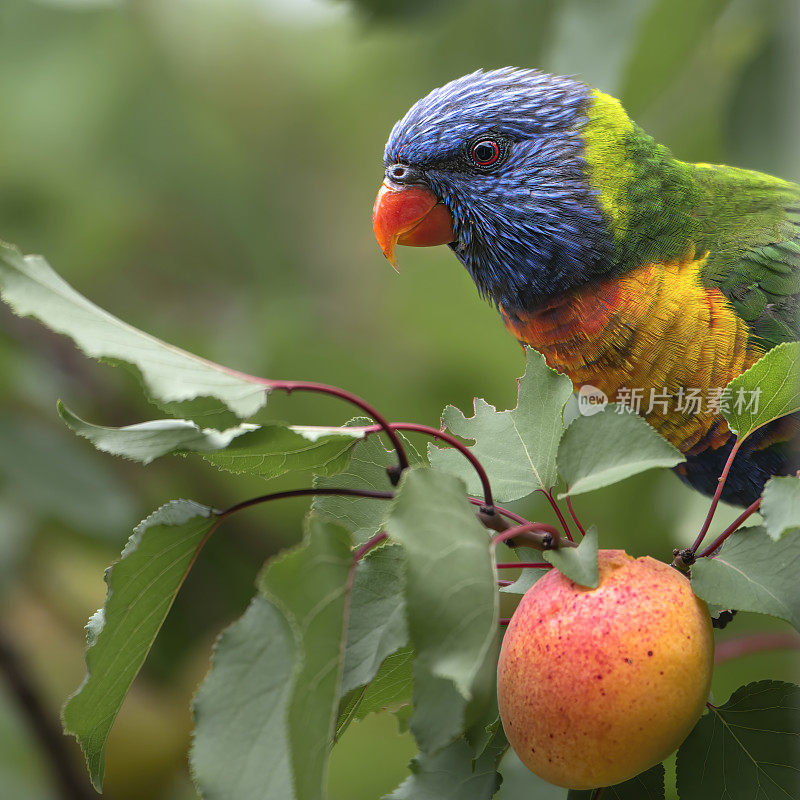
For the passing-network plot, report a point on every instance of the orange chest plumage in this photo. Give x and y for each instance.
(653, 338)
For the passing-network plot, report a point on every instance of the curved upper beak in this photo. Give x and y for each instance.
(409, 215)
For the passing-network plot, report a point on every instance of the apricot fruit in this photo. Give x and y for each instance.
(598, 685)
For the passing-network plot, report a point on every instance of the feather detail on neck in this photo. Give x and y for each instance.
(655, 328)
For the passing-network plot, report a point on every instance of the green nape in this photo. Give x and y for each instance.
(605, 153)
(646, 194)
(660, 208)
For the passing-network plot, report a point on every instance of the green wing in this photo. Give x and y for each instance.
(750, 225)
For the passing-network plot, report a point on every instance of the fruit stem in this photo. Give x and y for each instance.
(755, 643)
(359, 553)
(524, 565)
(574, 515)
(550, 499)
(321, 490)
(732, 528)
(537, 535)
(451, 440)
(502, 511)
(367, 408)
(715, 500)
(504, 583)
(504, 620)
(597, 794)
(493, 522)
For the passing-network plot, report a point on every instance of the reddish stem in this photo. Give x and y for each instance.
(550, 537)
(451, 440)
(341, 492)
(574, 515)
(524, 565)
(732, 528)
(322, 490)
(476, 501)
(554, 506)
(335, 391)
(504, 620)
(368, 545)
(755, 643)
(715, 501)
(504, 583)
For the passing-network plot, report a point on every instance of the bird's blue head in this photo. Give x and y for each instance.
(500, 155)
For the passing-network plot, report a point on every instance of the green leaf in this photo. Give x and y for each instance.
(579, 563)
(390, 689)
(768, 390)
(276, 449)
(453, 773)
(451, 600)
(241, 746)
(263, 450)
(745, 749)
(171, 375)
(244, 712)
(780, 506)
(516, 447)
(519, 783)
(528, 576)
(309, 585)
(366, 470)
(753, 573)
(606, 448)
(377, 619)
(141, 589)
(648, 785)
(147, 441)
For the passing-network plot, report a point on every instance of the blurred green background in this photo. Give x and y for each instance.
(205, 169)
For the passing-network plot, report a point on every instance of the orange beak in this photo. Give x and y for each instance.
(410, 216)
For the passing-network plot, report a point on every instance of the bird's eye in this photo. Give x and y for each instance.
(485, 152)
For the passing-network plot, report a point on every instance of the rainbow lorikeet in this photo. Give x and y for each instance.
(646, 277)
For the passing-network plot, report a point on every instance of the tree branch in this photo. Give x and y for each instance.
(43, 724)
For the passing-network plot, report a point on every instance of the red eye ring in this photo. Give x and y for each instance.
(485, 152)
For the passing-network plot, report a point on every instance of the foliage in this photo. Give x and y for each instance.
(171, 376)
(780, 505)
(776, 379)
(518, 447)
(264, 450)
(579, 564)
(387, 603)
(744, 748)
(589, 457)
(275, 691)
(141, 589)
(448, 568)
(648, 785)
(753, 573)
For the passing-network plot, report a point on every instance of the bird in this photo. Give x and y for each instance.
(632, 272)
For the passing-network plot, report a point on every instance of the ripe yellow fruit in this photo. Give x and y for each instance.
(598, 685)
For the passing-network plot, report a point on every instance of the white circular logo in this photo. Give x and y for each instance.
(591, 400)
